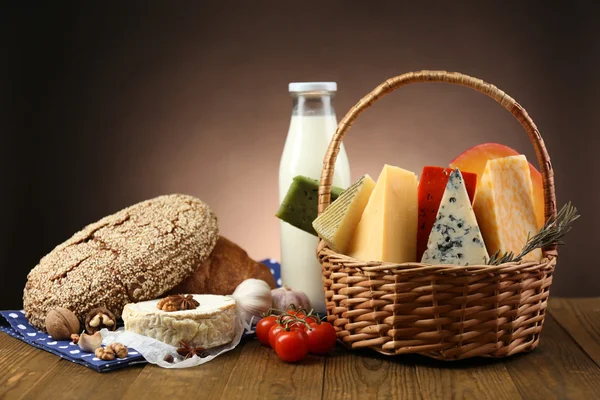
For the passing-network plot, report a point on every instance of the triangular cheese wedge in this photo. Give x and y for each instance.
(504, 206)
(455, 237)
(338, 222)
(387, 230)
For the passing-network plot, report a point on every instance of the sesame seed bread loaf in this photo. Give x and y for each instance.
(137, 254)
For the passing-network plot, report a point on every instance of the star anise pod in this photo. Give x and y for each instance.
(177, 302)
(188, 351)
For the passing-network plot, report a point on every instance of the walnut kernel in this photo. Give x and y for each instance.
(119, 349)
(105, 353)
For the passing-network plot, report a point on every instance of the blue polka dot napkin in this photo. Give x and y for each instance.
(19, 327)
(16, 325)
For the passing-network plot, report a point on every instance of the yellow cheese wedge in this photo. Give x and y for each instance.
(504, 206)
(338, 222)
(387, 230)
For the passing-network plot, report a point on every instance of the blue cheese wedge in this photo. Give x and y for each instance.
(455, 237)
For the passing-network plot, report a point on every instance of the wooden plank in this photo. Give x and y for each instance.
(205, 381)
(67, 380)
(581, 319)
(21, 366)
(368, 375)
(476, 378)
(557, 369)
(260, 374)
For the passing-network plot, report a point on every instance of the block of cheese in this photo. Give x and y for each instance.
(211, 324)
(337, 224)
(455, 237)
(504, 206)
(299, 208)
(387, 230)
(432, 186)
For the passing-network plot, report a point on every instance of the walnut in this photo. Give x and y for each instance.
(100, 318)
(177, 302)
(105, 353)
(61, 323)
(119, 349)
(75, 338)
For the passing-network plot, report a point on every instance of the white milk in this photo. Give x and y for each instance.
(312, 126)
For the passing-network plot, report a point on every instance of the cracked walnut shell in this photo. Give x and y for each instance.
(100, 318)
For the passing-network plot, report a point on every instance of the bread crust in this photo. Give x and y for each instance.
(226, 267)
(137, 254)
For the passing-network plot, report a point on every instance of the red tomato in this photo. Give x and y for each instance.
(309, 320)
(263, 327)
(278, 328)
(291, 346)
(273, 332)
(321, 338)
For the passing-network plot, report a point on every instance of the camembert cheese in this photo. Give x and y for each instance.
(504, 206)
(211, 324)
(387, 230)
(337, 224)
(455, 237)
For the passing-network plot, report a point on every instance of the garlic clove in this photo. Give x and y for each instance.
(90, 343)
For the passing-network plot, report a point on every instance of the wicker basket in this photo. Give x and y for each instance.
(445, 312)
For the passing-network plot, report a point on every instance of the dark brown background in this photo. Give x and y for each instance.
(106, 105)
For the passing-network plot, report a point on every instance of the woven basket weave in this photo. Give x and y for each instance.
(445, 312)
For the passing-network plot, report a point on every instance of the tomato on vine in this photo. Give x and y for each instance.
(292, 345)
(321, 338)
(278, 328)
(262, 328)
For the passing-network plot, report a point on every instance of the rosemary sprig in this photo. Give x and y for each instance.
(551, 233)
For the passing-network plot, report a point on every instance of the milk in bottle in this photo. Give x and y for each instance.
(312, 126)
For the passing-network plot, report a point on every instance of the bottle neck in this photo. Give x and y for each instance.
(312, 104)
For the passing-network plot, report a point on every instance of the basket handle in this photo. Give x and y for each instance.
(457, 79)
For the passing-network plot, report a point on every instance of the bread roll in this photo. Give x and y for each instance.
(227, 266)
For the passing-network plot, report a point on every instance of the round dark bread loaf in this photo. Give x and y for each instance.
(136, 254)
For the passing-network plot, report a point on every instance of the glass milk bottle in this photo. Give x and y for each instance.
(312, 126)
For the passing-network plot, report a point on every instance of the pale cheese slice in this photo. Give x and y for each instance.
(338, 222)
(455, 237)
(504, 206)
(211, 324)
(387, 230)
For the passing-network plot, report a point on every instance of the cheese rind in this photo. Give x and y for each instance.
(209, 325)
(337, 224)
(387, 230)
(455, 237)
(504, 206)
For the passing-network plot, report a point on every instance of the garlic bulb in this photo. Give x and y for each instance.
(284, 296)
(253, 297)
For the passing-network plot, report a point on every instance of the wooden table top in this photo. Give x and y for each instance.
(566, 365)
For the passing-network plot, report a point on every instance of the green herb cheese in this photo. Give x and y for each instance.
(300, 205)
